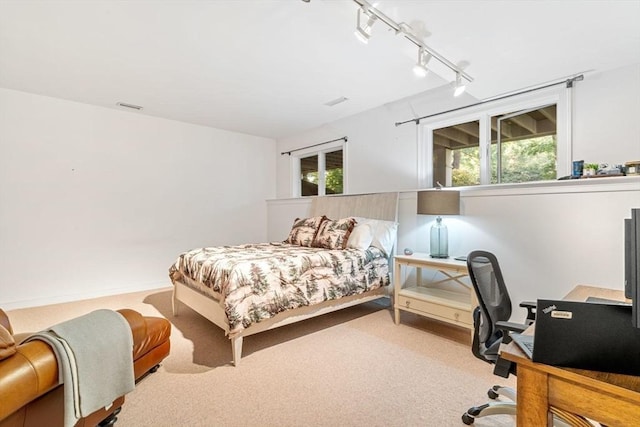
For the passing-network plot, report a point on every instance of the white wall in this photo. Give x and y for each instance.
(380, 156)
(548, 238)
(96, 201)
(606, 112)
(383, 157)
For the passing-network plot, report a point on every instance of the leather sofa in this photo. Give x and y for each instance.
(32, 395)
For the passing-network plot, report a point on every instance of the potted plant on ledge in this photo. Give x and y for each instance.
(590, 169)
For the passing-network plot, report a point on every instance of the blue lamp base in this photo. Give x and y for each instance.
(439, 244)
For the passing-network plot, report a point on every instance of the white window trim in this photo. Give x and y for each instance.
(483, 113)
(327, 148)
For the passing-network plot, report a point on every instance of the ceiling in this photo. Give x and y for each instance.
(268, 67)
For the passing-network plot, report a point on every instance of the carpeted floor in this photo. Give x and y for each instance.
(350, 368)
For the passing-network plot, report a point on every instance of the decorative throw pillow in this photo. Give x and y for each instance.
(384, 233)
(361, 237)
(304, 230)
(333, 234)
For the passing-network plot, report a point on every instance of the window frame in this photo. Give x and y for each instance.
(296, 184)
(561, 96)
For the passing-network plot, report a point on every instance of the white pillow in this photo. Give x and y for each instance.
(361, 237)
(384, 233)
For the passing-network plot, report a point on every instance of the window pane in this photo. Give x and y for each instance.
(309, 176)
(333, 175)
(456, 155)
(528, 146)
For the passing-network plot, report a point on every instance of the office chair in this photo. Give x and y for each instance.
(491, 328)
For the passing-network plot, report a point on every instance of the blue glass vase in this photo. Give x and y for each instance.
(439, 240)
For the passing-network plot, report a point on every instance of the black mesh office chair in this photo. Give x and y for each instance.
(491, 328)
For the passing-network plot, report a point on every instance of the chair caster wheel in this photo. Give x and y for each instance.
(492, 394)
(475, 410)
(467, 419)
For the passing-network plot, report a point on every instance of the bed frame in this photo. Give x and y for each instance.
(377, 206)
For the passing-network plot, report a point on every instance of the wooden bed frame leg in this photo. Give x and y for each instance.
(174, 302)
(236, 349)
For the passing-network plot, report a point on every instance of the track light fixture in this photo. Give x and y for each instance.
(363, 31)
(460, 86)
(425, 53)
(420, 69)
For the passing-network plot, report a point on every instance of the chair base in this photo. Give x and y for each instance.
(493, 408)
(498, 390)
(560, 418)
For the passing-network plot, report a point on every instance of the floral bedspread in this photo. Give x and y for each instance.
(257, 281)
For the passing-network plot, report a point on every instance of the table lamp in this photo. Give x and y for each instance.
(439, 202)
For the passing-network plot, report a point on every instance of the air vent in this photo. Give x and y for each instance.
(124, 104)
(336, 101)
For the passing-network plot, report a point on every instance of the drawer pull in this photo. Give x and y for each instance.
(407, 303)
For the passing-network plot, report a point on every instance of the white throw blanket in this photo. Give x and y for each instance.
(95, 361)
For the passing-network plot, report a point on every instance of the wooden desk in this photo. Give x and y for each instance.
(612, 399)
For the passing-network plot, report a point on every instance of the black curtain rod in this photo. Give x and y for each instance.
(314, 145)
(568, 82)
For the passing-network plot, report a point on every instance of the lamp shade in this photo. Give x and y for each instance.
(439, 202)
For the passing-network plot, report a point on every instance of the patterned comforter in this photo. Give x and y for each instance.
(254, 282)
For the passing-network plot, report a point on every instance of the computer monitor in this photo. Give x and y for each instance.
(632, 263)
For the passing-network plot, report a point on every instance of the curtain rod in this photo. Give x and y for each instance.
(568, 82)
(314, 145)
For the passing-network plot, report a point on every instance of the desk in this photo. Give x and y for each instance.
(448, 306)
(612, 399)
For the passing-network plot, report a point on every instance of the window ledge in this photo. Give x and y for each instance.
(585, 185)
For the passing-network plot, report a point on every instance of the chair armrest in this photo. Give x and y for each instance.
(531, 310)
(507, 327)
(31, 372)
(511, 326)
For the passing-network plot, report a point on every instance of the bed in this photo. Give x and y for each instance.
(247, 289)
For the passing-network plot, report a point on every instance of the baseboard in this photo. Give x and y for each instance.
(36, 302)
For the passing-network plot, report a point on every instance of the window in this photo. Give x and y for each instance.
(309, 176)
(511, 143)
(525, 148)
(320, 173)
(456, 155)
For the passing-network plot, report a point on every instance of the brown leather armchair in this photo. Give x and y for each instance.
(32, 395)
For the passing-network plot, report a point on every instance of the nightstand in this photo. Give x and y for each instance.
(426, 299)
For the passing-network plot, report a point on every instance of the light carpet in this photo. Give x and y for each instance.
(354, 367)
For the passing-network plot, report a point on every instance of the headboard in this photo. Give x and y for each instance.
(376, 206)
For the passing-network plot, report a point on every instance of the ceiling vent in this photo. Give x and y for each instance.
(336, 101)
(124, 104)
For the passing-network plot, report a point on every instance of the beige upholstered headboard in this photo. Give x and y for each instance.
(376, 206)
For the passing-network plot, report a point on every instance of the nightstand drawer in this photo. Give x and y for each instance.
(431, 309)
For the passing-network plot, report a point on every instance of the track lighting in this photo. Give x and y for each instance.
(363, 32)
(460, 86)
(425, 53)
(420, 69)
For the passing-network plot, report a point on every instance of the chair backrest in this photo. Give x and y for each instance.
(493, 298)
